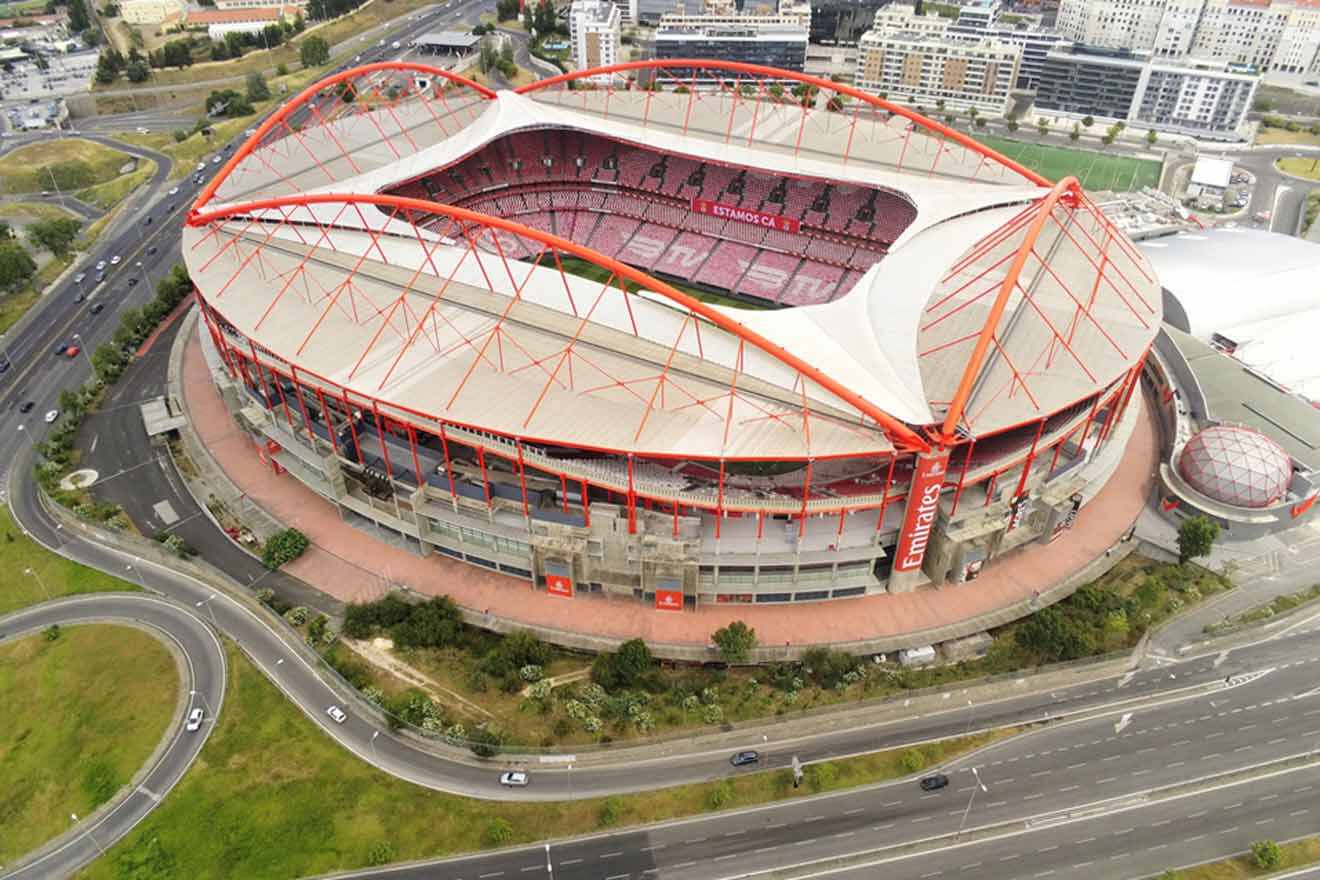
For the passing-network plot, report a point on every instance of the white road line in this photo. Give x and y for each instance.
(611, 855)
(569, 861)
(854, 812)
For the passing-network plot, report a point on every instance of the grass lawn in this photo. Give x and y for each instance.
(1096, 171)
(1268, 135)
(22, 8)
(112, 192)
(23, 213)
(52, 575)
(69, 163)
(1298, 854)
(582, 268)
(271, 796)
(12, 307)
(1305, 167)
(76, 727)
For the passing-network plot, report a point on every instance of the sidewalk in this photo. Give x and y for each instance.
(352, 565)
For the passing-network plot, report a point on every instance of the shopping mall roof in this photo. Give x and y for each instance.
(1212, 172)
(1251, 292)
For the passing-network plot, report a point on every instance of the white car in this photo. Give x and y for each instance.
(114, 261)
(338, 715)
(194, 719)
(250, 132)
(143, 131)
(513, 779)
(201, 166)
(216, 160)
(174, 191)
(100, 265)
(52, 416)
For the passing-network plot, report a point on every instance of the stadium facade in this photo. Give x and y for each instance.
(741, 343)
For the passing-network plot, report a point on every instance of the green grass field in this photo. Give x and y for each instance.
(51, 575)
(66, 164)
(76, 726)
(1096, 171)
(575, 266)
(271, 796)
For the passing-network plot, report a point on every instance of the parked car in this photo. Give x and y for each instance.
(100, 276)
(151, 251)
(132, 282)
(114, 261)
(513, 779)
(195, 719)
(97, 308)
(100, 265)
(174, 191)
(201, 166)
(78, 279)
(82, 295)
(52, 416)
(338, 715)
(745, 758)
(934, 783)
(26, 406)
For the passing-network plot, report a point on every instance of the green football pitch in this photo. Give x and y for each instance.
(1096, 171)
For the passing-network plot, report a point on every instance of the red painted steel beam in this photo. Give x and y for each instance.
(1066, 188)
(901, 434)
(776, 73)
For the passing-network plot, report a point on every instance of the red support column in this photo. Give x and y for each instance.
(719, 501)
(990, 489)
(256, 365)
(297, 392)
(675, 519)
(352, 427)
(522, 479)
(563, 491)
(380, 435)
(586, 506)
(632, 499)
(329, 425)
(449, 469)
(843, 513)
(412, 447)
(806, 489)
(1031, 457)
(957, 493)
(284, 400)
(485, 485)
(760, 524)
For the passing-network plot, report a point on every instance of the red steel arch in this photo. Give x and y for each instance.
(903, 436)
(298, 101)
(807, 79)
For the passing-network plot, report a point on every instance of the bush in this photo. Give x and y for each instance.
(51, 633)
(823, 776)
(296, 616)
(380, 853)
(283, 547)
(498, 831)
(610, 812)
(362, 620)
(720, 795)
(735, 641)
(1266, 854)
(826, 668)
(563, 727)
(435, 623)
(913, 761)
(485, 743)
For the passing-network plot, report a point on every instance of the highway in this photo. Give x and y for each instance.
(1190, 719)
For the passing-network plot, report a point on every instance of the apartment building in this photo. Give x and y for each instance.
(1272, 35)
(146, 12)
(774, 37)
(980, 20)
(906, 58)
(595, 33)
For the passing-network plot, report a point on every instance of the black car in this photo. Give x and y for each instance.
(934, 783)
(132, 282)
(80, 297)
(27, 405)
(746, 758)
(152, 250)
(97, 308)
(148, 223)
(61, 347)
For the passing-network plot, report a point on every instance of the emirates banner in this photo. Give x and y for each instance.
(923, 506)
(745, 215)
(668, 600)
(559, 585)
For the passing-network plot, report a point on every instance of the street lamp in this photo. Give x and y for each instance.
(132, 568)
(82, 346)
(374, 734)
(207, 603)
(39, 581)
(980, 786)
(197, 693)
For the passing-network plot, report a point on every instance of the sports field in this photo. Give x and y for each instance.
(1096, 171)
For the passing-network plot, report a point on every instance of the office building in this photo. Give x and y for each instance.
(594, 32)
(719, 32)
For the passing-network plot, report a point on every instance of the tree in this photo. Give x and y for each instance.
(1042, 126)
(1196, 537)
(1107, 138)
(56, 235)
(1012, 124)
(257, 90)
(235, 44)
(78, 20)
(1051, 635)
(1151, 137)
(283, 547)
(735, 641)
(1088, 121)
(1075, 134)
(16, 265)
(137, 71)
(315, 52)
(6, 234)
(506, 10)
(1266, 854)
(177, 53)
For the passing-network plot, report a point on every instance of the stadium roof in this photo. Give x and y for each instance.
(1255, 290)
(1002, 302)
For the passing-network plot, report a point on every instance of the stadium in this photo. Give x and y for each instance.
(693, 332)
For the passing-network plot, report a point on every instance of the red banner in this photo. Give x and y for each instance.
(559, 585)
(669, 600)
(745, 215)
(1303, 506)
(922, 507)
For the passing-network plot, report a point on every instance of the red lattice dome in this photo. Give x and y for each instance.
(1236, 465)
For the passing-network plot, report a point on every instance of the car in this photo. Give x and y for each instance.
(52, 416)
(142, 130)
(250, 132)
(216, 160)
(152, 250)
(100, 265)
(149, 219)
(4, 366)
(100, 276)
(357, 59)
(338, 715)
(174, 191)
(201, 166)
(72, 351)
(78, 279)
(82, 295)
(513, 778)
(97, 308)
(115, 260)
(934, 783)
(197, 180)
(394, 45)
(60, 348)
(195, 719)
(132, 282)
(26, 406)
(745, 758)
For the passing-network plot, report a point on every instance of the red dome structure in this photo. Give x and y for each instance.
(1236, 465)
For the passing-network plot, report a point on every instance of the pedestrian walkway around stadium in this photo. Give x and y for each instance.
(353, 565)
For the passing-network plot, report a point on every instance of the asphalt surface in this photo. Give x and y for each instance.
(205, 682)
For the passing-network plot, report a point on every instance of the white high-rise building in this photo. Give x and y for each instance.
(1272, 35)
(594, 33)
